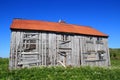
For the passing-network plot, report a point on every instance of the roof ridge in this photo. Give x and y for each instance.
(52, 22)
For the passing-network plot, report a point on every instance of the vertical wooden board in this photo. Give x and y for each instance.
(91, 63)
(81, 50)
(37, 41)
(92, 45)
(57, 44)
(17, 44)
(101, 63)
(11, 61)
(86, 44)
(74, 51)
(51, 37)
(58, 38)
(76, 45)
(77, 51)
(20, 46)
(40, 46)
(47, 49)
(55, 51)
(15, 50)
(97, 63)
(70, 53)
(108, 54)
(95, 46)
(50, 47)
(84, 49)
(68, 58)
(44, 48)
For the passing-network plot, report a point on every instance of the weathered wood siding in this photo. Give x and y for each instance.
(51, 49)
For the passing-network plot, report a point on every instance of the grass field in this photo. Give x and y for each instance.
(60, 73)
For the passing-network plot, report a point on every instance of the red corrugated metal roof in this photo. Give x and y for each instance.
(54, 26)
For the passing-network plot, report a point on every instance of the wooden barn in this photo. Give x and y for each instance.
(42, 43)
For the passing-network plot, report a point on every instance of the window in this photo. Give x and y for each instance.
(90, 56)
(29, 42)
(101, 56)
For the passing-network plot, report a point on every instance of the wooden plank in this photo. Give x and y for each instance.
(29, 62)
(11, 51)
(77, 51)
(28, 57)
(50, 47)
(69, 57)
(58, 50)
(108, 54)
(57, 46)
(20, 44)
(29, 53)
(16, 49)
(84, 49)
(72, 52)
(17, 44)
(42, 47)
(45, 47)
(39, 48)
(54, 48)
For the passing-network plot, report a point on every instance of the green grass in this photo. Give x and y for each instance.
(60, 73)
(115, 63)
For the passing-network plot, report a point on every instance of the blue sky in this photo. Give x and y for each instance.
(103, 15)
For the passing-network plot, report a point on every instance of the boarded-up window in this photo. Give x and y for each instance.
(91, 56)
(29, 42)
(101, 54)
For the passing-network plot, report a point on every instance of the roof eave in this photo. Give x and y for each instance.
(59, 32)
